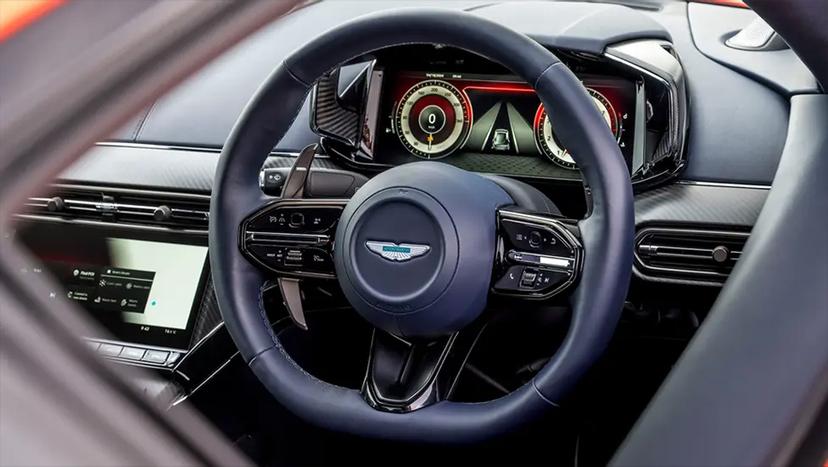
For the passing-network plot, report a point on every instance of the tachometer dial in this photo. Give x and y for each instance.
(432, 119)
(548, 143)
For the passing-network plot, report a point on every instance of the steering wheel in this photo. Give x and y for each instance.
(420, 248)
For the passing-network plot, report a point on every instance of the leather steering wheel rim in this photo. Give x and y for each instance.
(607, 231)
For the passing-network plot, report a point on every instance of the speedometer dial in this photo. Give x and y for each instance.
(432, 119)
(548, 143)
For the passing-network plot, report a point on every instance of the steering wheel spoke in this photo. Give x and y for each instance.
(538, 256)
(293, 237)
(406, 375)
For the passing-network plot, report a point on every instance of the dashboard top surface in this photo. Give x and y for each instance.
(726, 106)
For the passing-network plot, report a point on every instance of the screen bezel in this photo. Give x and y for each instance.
(116, 329)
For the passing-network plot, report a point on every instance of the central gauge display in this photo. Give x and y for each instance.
(492, 123)
(432, 119)
(549, 144)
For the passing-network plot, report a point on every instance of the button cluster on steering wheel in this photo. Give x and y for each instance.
(537, 256)
(293, 237)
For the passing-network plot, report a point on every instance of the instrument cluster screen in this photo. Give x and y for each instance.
(434, 115)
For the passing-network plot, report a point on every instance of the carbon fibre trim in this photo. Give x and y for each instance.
(208, 315)
(730, 209)
(685, 204)
(329, 118)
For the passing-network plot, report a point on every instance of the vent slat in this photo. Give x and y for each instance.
(124, 206)
(687, 255)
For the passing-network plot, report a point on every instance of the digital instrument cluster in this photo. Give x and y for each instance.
(435, 115)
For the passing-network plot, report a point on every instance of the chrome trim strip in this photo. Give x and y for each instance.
(286, 238)
(744, 186)
(556, 263)
(131, 191)
(169, 147)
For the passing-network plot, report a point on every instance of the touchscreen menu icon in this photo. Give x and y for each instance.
(124, 289)
(107, 288)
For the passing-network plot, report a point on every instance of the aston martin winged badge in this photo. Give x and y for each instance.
(397, 252)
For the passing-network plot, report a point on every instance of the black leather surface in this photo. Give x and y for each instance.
(607, 233)
(755, 374)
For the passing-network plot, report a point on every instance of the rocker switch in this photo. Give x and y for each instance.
(527, 279)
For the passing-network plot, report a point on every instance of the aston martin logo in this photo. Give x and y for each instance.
(395, 252)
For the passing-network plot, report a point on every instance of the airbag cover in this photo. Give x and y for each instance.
(415, 245)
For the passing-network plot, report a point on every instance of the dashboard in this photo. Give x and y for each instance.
(401, 105)
(431, 102)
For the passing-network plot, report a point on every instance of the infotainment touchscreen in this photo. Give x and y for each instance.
(143, 288)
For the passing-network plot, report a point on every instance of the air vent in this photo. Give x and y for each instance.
(175, 210)
(680, 255)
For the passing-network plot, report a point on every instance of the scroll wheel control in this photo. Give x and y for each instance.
(535, 239)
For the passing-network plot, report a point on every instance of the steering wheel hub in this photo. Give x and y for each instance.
(406, 244)
(401, 249)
